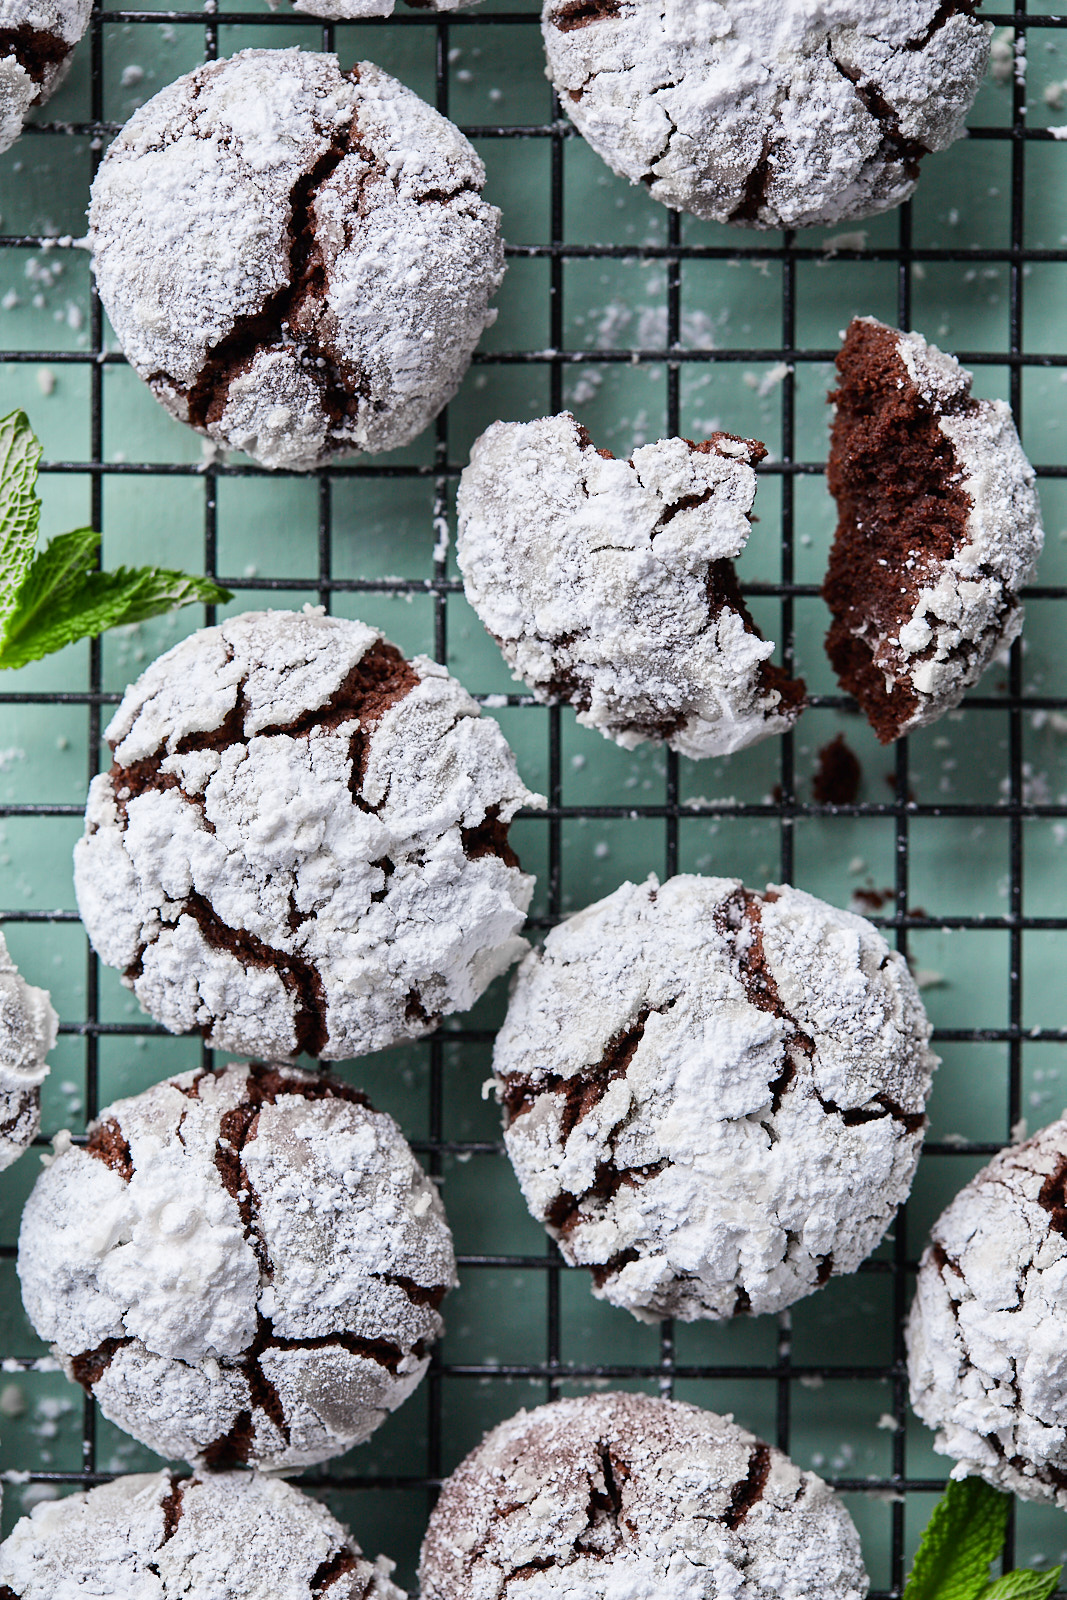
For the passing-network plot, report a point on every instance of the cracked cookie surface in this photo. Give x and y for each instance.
(714, 1099)
(230, 1536)
(610, 584)
(297, 261)
(795, 115)
(302, 841)
(28, 1027)
(939, 526)
(985, 1335)
(243, 1267)
(622, 1495)
(37, 39)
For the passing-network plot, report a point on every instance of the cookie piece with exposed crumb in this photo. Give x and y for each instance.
(792, 115)
(939, 526)
(243, 1267)
(620, 1496)
(985, 1346)
(610, 584)
(297, 261)
(302, 843)
(28, 1028)
(37, 39)
(714, 1099)
(225, 1536)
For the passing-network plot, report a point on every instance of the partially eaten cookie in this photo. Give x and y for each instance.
(610, 584)
(939, 526)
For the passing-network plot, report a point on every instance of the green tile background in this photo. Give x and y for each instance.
(381, 530)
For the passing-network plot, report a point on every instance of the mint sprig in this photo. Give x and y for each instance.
(54, 597)
(963, 1537)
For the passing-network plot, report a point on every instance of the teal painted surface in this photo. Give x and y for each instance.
(382, 529)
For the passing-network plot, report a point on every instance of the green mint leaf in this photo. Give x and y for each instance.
(63, 598)
(964, 1534)
(1024, 1585)
(20, 509)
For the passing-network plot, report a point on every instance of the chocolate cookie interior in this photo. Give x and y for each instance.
(901, 512)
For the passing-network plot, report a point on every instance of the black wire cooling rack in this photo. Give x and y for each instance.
(544, 1377)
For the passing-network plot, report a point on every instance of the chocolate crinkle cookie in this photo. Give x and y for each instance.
(714, 1098)
(28, 1028)
(231, 1536)
(985, 1336)
(939, 526)
(37, 39)
(610, 584)
(298, 261)
(302, 843)
(242, 1267)
(620, 1496)
(775, 116)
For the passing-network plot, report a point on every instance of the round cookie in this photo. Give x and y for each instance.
(985, 1336)
(714, 1098)
(297, 261)
(242, 1267)
(939, 526)
(37, 39)
(302, 841)
(231, 1536)
(610, 584)
(28, 1028)
(786, 116)
(620, 1495)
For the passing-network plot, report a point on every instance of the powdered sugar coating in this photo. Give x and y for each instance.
(715, 1098)
(622, 1497)
(986, 1358)
(793, 115)
(608, 583)
(297, 261)
(28, 1028)
(231, 1536)
(38, 39)
(966, 611)
(301, 844)
(243, 1267)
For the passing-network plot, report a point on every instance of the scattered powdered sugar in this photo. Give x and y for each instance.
(232, 1536)
(302, 843)
(242, 1267)
(352, 10)
(791, 115)
(714, 1098)
(28, 1027)
(38, 40)
(609, 583)
(986, 1356)
(297, 261)
(620, 1496)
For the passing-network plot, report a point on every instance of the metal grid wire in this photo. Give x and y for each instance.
(787, 807)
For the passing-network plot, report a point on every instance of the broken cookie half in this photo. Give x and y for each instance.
(610, 584)
(939, 526)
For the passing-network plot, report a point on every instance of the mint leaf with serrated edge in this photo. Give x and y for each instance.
(963, 1536)
(20, 509)
(1024, 1585)
(63, 598)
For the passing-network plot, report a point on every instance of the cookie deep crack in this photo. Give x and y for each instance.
(744, 1495)
(298, 976)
